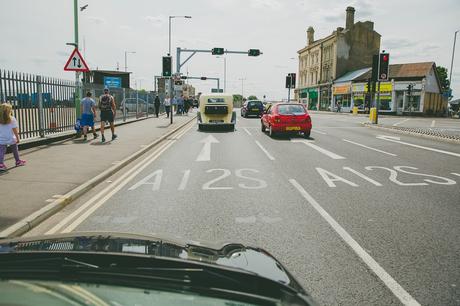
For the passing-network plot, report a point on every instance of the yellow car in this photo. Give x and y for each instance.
(216, 110)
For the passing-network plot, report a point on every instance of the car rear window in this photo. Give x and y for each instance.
(291, 109)
(216, 100)
(255, 104)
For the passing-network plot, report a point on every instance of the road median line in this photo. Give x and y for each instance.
(47, 211)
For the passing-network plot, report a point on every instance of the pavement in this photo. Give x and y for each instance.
(57, 168)
(359, 216)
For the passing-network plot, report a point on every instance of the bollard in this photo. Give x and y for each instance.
(355, 110)
(373, 115)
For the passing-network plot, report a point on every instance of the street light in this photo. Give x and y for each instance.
(452, 60)
(169, 54)
(126, 59)
(242, 86)
(225, 72)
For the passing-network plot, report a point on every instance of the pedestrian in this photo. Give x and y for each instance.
(88, 113)
(9, 135)
(174, 107)
(157, 105)
(180, 105)
(167, 104)
(187, 104)
(108, 111)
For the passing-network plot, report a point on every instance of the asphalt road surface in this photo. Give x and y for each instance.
(359, 216)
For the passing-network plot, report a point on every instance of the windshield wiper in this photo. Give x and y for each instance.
(65, 259)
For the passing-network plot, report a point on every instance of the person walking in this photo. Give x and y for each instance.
(157, 105)
(88, 113)
(9, 135)
(167, 104)
(180, 105)
(108, 111)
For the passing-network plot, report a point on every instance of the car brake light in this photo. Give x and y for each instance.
(308, 119)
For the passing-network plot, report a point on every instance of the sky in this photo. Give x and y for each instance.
(34, 33)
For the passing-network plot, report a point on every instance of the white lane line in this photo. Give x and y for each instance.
(396, 140)
(386, 278)
(400, 122)
(319, 132)
(456, 174)
(370, 148)
(67, 219)
(319, 149)
(433, 123)
(265, 151)
(247, 131)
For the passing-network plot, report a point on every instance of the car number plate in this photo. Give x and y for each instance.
(255, 109)
(216, 121)
(293, 128)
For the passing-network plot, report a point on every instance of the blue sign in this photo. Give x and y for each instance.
(112, 82)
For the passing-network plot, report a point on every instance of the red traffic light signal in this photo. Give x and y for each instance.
(385, 58)
(384, 67)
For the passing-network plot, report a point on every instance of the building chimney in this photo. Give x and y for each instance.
(350, 17)
(310, 35)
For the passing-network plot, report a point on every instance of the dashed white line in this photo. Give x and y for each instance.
(456, 174)
(265, 151)
(247, 131)
(370, 148)
(374, 266)
(400, 122)
(396, 140)
(319, 149)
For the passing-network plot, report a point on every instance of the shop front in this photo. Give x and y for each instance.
(325, 98)
(309, 97)
(342, 97)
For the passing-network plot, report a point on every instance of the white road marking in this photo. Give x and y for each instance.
(158, 174)
(319, 132)
(149, 159)
(362, 176)
(205, 153)
(319, 149)
(393, 139)
(330, 178)
(433, 123)
(50, 200)
(370, 148)
(265, 151)
(57, 196)
(400, 122)
(386, 278)
(247, 131)
(184, 181)
(456, 174)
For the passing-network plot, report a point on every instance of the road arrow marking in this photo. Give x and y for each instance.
(319, 149)
(205, 154)
(397, 140)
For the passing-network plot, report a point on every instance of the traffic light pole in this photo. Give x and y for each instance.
(202, 78)
(377, 104)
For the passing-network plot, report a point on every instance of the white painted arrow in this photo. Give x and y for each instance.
(397, 140)
(205, 154)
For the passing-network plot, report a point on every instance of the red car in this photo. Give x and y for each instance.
(286, 118)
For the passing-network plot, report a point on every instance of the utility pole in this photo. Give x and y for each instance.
(242, 87)
(452, 60)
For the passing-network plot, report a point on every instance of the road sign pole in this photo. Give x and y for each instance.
(377, 104)
(77, 73)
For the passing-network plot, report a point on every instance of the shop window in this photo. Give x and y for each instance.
(400, 99)
(413, 102)
(385, 103)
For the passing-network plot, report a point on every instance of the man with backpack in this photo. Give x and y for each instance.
(108, 111)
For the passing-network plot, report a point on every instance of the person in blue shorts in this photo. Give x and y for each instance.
(88, 113)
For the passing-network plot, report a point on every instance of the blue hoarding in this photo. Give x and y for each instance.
(112, 82)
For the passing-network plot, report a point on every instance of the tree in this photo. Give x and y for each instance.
(252, 98)
(237, 100)
(442, 75)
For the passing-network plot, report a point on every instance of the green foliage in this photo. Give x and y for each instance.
(252, 98)
(442, 75)
(237, 100)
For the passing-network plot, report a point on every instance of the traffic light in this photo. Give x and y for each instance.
(203, 78)
(178, 82)
(384, 64)
(290, 80)
(254, 52)
(183, 77)
(167, 66)
(409, 89)
(217, 51)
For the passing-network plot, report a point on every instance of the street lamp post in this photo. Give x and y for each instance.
(77, 73)
(126, 59)
(169, 54)
(242, 87)
(225, 71)
(452, 60)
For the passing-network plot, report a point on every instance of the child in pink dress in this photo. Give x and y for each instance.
(9, 135)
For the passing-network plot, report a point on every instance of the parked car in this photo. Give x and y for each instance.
(290, 118)
(216, 110)
(252, 108)
(131, 105)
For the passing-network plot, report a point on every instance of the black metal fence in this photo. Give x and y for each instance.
(45, 106)
(42, 105)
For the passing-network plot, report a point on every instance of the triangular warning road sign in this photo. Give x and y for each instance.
(76, 62)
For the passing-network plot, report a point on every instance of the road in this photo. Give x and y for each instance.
(359, 216)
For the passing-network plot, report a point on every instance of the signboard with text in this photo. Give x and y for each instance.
(112, 82)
